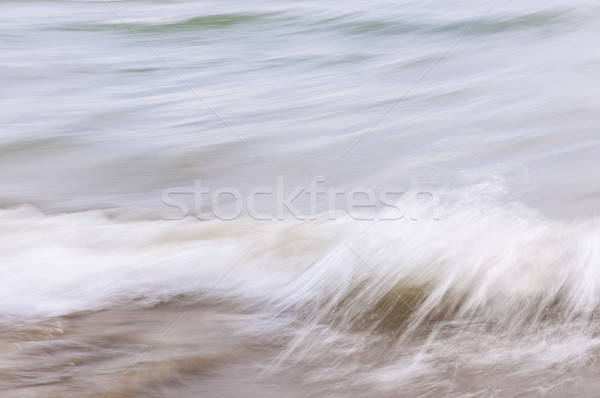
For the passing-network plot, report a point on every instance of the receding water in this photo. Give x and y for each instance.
(489, 109)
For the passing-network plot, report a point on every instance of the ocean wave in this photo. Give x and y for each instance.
(203, 22)
(509, 267)
(505, 263)
(351, 24)
(489, 275)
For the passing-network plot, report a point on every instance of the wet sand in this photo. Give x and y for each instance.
(215, 350)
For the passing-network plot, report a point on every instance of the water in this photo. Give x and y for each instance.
(490, 108)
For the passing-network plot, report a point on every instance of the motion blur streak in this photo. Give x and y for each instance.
(500, 296)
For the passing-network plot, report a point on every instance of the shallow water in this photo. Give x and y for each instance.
(488, 109)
